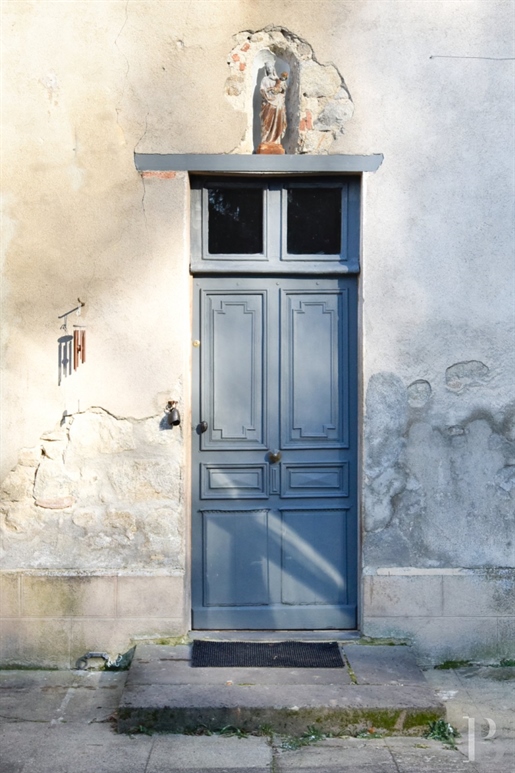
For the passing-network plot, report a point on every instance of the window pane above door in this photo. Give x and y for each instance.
(235, 221)
(314, 221)
(283, 225)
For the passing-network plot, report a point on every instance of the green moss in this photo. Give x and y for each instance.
(171, 641)
(448, 664)
(382, 719)
(382, 642)
(421, 719)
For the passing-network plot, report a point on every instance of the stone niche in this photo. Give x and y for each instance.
(318, 103)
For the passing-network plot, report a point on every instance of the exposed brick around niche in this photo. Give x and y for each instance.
(160, 175)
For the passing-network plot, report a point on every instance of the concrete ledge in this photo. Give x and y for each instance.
(288, 709)
(248, 163)
(387, 691)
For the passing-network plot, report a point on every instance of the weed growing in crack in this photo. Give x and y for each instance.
(443, 731)
(230, 730)
(312, 735)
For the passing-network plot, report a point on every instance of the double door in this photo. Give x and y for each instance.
(274, 519)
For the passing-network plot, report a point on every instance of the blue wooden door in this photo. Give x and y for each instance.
(274, 533)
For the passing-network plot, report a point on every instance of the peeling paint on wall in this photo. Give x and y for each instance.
(97, 493)
(436, 494)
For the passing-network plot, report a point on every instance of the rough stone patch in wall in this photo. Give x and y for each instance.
(437, 494)
(318, 103)
(98, 493)
(466, 374)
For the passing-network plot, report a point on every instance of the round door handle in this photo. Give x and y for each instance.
(274, 456)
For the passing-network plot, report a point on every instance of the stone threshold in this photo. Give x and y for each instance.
(271, 636)
(381, 687)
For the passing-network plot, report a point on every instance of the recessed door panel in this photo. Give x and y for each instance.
(233, 481)
(313, 547)
(313, 369)
(235, 558)
(315, 479)
(233, 363)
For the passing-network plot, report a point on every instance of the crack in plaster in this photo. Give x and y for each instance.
(118, 108)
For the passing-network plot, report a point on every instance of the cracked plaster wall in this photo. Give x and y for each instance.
(97, 494)
(432, 89)
(439, 491)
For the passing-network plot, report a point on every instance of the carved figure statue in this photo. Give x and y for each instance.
(273, 110)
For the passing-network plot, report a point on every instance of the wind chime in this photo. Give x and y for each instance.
(71, 349)
(79, 346)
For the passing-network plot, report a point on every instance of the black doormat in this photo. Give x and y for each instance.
(285, 654)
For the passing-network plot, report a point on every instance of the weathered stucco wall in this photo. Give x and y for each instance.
(431, 87)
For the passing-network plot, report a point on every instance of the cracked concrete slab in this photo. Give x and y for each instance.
(83, 748)
(382, 664)
(204, 752)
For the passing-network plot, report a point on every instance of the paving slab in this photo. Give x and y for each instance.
(427, 756)
(94, 696)
(383, 664)
(94, 748)
(477, 694)
(388, 755)
(342, 755)
(19, 743)
(50, 696)
(185, 753)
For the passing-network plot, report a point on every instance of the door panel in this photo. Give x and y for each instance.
(313, 543)
(274, 476)
(235, 558)
(233, 334)
(312, 368)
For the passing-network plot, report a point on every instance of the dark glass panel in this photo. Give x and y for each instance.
(235, 225)
(314, 221)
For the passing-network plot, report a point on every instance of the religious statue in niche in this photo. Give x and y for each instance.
(273, 110)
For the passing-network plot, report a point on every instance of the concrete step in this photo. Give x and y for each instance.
(381, 687)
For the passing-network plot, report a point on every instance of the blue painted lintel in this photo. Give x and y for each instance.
(256, 164)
